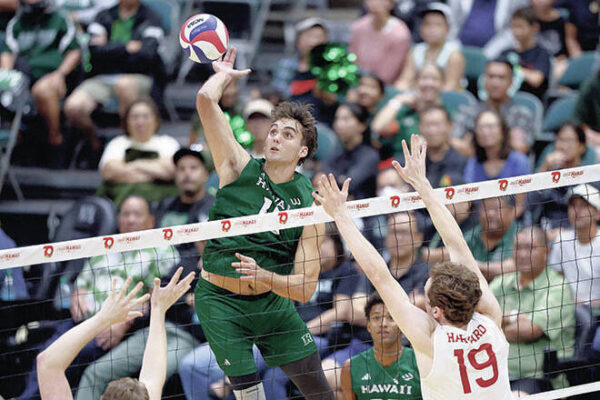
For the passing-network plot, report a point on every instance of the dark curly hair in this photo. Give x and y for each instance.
(302, 114)
(455, 289)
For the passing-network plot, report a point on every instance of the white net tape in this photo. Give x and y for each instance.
(90, 247)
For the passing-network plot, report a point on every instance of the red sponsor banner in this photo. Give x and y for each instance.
(469, 189)
(449, 192)
(225, 225)
(10, 256)
(246, 222)
(69, 248)
(555, 176)
(167, 233)
(395, 200)
(187, 231)
(108, 242)
(283, 217)
(129, 239)
(359, 206)
(48, 250)
(413, 199)
(573, 174)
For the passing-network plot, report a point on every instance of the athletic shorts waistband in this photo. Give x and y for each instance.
(211, 287)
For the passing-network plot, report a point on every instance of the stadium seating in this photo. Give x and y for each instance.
(579, 70)
(535, 105)
(559, 112)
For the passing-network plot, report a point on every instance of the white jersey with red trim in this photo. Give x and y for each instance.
(468, 364)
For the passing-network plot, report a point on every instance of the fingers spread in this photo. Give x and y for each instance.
(346, 185)
(176, 276)
(135, 291)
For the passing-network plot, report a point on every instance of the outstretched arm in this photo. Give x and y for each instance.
(414, 322)
(52, 362)
(414, 174)
(228, 155)
(154, 365)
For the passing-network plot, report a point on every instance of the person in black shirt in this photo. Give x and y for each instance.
(192, 205)
(355, 159)
(533, 59)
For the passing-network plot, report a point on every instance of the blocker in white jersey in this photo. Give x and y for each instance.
(459, 346)
(468, 364)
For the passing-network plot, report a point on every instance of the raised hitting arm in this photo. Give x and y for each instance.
(414, 174)
(229, 156)
(52, 362)
(154, 365)
(414, 322)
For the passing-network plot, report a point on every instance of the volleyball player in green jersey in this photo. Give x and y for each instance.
(247, 285)
(388, 370)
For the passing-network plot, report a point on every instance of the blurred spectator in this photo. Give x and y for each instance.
(388, 353)
(257, 115)
(484, 23)
(355, 159)
(328, 310)
(552, 34)
(538, 312)
(576, 250)
(583, 29)
(569, 150)
(7, 11)
(324, 104)
(369, 92)
(94, 282)
(125, 63)
(42, 43)
(140, 161)
(494, 158)
(402, 244)
(398, 119)
(435, 48)
(444, 165)
(533, 59)
(587, 110)
(391, 35)
(191, 206)
(491, 241)
(498, 80)
(292, 75)
(12, 283)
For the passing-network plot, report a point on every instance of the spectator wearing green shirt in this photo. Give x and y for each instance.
(587, 110)
(398, 119)
(42, 43)
(539, 312)
(491, 242)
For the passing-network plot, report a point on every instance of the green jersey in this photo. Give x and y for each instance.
(43, 44)
(254, 193)
(398, 381)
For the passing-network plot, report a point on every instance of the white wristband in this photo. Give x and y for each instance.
(514, 315)
(395, 104)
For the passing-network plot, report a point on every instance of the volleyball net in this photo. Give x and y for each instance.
(563, 299)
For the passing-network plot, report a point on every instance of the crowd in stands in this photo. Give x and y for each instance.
(540, 252)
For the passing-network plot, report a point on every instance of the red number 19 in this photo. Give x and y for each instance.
(491, 361)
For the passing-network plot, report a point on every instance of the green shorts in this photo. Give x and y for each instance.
(232, 323)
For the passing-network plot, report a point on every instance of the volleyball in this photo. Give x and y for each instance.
(204, 38)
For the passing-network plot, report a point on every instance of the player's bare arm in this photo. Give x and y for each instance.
(414, 174)
(228, 155)
(347, 392)
(299, 286)
(52, 362)
(414, 322)
(154, 364)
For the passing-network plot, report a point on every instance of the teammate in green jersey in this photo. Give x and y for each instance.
(247, 285)
(387, 370)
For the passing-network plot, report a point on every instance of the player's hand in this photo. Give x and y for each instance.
(119, 307)
(252, 272)
(413, 171)
(330, 196)
(112, 336)
(227, 65)
(164, 297)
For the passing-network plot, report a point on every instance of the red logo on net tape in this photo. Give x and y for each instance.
(48, 251)
(449, 192)
(395, 201)
(283, 217)
(108, 242)
(503, 184)
(225, 225)
(167, 233)
(555, 176)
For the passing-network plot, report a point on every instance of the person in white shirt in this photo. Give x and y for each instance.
(460, 349)
(576, 253)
